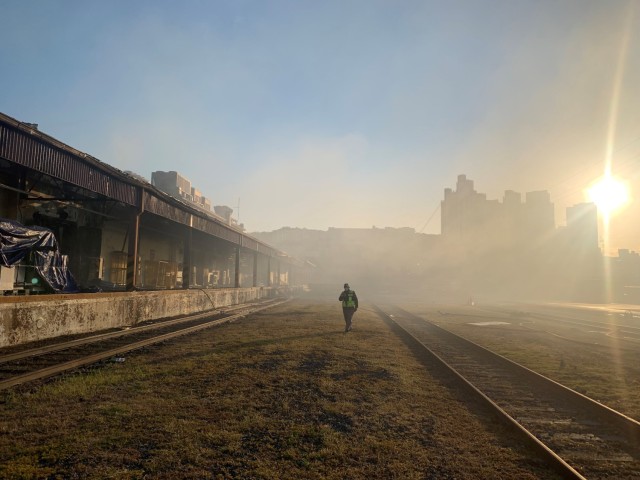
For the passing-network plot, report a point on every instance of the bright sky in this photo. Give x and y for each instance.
(338, 113)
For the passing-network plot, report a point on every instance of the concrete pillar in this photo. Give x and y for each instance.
(255, 269)
(132, 252)
(237, 280)
(187, 258)
(134, 242)
(22, 185)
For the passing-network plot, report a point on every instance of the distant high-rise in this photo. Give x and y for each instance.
(224, 211)
(463, 211)
(467, 216)
(512, 208)
(582, 226)
(538, 215)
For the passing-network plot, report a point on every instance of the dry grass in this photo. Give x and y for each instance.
(284, 394)
(588, 361)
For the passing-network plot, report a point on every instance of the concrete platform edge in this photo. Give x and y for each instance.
(28, 319)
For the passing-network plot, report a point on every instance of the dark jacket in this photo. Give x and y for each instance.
(349, 299)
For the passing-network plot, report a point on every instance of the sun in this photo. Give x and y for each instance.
(609, 194)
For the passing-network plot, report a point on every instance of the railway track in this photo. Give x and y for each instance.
(610, 328)
(578, 436)
(38, 363)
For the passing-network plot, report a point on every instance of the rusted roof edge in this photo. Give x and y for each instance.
(28, 128)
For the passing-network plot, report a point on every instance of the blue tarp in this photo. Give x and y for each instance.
(17, 241)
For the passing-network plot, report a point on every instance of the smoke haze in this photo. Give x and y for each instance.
(326, 114)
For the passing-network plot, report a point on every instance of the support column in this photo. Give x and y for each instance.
(19, 196)
(132, 253)
(255, 269)
(269, 282)
(278, 275)
(16, 200)
(237, 280)
(134, 242)
(186, 258)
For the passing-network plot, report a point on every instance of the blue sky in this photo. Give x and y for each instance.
(336, 113)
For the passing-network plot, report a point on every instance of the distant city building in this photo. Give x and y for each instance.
(359, 255)
(468, 217)
(538, 215)
(172, 183)
(224, 211)
(512, 213)
(196, 195)
(179, 187)
(463, 211)
(626, 272)
(582, 227)
(488, 249)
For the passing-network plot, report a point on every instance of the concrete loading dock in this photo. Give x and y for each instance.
(119, 233)
(30, 318)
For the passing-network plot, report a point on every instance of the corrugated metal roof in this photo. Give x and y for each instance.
(217, 230)
(32, 152)
(24, 145)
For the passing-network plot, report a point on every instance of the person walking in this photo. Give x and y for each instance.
(349, 301)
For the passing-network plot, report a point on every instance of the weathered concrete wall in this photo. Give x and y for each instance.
(30, 318)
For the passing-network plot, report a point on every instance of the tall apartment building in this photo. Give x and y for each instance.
(468, 217)
(538, 215)
(466, 212)
(512, 214)
(582, 227)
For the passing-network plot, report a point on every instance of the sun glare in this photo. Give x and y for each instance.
(609, 194)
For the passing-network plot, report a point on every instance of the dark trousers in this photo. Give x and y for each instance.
(348, 315)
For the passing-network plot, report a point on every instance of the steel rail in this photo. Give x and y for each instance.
(613, 327)
(628, 425)
(87, 360)
(614, 331)
(34, 352)
(556, 462)
(545, 316)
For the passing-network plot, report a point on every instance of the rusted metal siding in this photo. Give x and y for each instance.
(28, 147)
(266, 249)
(217, 230)
(18, 147)
(154, 204)
(250, 243)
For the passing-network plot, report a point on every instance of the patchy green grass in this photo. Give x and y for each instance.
(284, 394)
